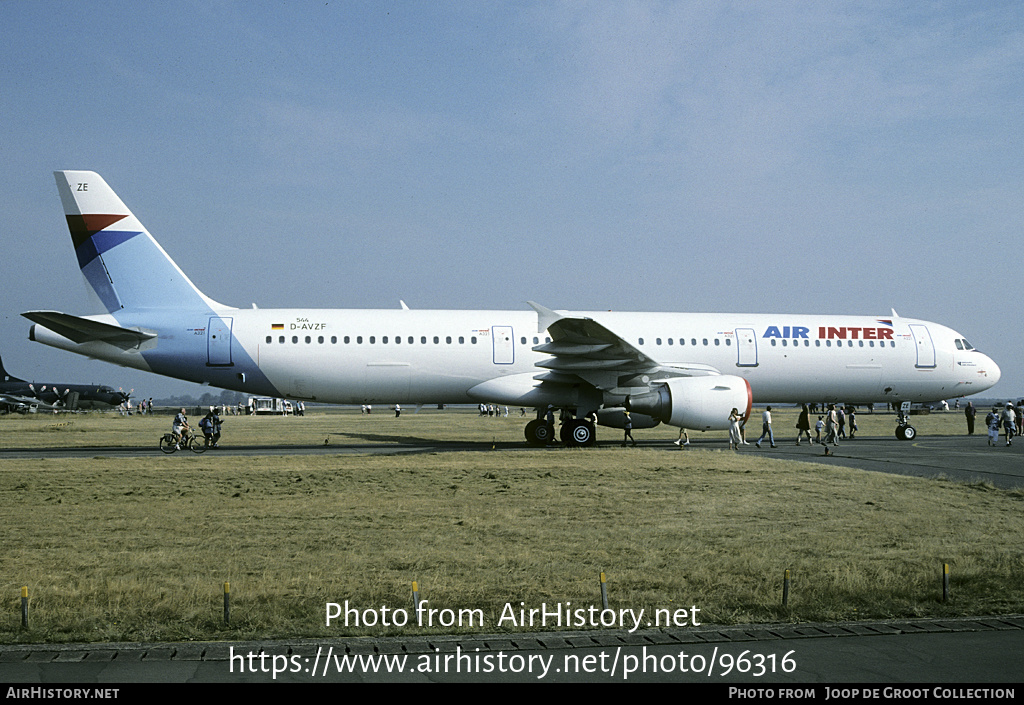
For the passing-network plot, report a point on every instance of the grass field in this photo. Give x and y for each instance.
(139, 549)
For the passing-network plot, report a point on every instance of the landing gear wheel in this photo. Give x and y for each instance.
(579, 432)
(906, 433)
(539, 433)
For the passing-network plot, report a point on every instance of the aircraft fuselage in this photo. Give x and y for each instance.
(433, 356)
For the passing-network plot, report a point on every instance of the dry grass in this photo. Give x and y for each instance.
(138, 549)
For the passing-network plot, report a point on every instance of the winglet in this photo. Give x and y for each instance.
(545, 316)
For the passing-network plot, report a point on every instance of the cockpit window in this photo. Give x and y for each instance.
(968, 346)
(959, 344)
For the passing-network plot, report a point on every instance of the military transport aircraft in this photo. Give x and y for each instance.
(21, 395)
(684, 369)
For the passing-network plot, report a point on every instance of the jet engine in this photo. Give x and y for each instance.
(699, 403)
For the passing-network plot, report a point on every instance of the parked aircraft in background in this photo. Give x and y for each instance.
(684, 369)
(21, 395)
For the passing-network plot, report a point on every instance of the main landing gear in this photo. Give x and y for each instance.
(539, 433)
(574, 432)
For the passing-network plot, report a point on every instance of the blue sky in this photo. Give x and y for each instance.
(784, 157)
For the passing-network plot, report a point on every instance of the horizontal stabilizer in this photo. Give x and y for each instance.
(84, 330)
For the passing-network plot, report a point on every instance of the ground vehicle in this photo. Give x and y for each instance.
(189, 440)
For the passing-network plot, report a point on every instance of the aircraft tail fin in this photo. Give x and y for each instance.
(5, 377)
(122, 262)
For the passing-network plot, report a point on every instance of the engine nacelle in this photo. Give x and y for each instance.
(700, 403)
(616, 418)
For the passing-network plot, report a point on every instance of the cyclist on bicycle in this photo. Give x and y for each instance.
(178, 428)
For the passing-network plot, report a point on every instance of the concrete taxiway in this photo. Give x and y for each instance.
(960, 458)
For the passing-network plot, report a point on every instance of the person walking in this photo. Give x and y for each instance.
(831, 426)
(970, 412)
(766, 428)
(628, 428)
(803, 425)
(1009, 423)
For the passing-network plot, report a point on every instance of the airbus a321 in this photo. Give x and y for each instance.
(684, 369)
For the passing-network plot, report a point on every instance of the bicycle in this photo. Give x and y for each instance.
(168, 443)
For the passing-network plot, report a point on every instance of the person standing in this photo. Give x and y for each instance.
(970, 412)
(734, 430)
(766, 427)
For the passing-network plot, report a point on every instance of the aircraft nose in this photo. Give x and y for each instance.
(992, 371)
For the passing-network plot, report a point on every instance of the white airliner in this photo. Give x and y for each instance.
(684, 369)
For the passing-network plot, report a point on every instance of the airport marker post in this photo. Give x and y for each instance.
(24, 606)
(227, 603)
(604, 591)
(785, 588)
(945, 581)
(416, 597)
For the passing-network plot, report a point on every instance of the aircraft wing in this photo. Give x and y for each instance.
(85, 330)
(583, 349)
(18, 400)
